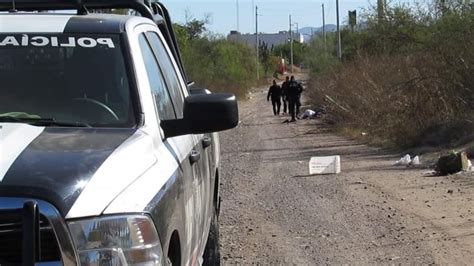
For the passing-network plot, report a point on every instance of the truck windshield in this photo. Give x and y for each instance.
(68, 78)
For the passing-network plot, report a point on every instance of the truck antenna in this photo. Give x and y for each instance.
(13, 10)
(81, 8)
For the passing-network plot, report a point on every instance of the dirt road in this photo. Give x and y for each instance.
(273, 212)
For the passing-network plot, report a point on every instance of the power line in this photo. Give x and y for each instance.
(339, 48)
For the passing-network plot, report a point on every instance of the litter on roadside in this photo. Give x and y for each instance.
(416, 161)
(308, 114)
(405, 160)
(312, 114)
(325, 165)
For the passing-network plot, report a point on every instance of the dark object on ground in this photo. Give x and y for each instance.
(470, 151)
(452, 163)
(320, 111)
(317, 113)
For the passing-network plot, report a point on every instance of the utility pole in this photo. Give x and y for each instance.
(298, 36)
(253, 7)
(291, 48)
(381, 9)
(339, 47)
(324, 29)
(256, 39)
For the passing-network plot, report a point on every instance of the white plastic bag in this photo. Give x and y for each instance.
(308, 114)
(416, 161)
(405, 160)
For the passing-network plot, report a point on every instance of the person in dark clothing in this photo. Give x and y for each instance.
(293, 95)
(298, 103)
(275, 94)
(284, 89)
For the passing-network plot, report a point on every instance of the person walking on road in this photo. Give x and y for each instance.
(284, 90)
(298, 103)
(275, 94)
(293, 95)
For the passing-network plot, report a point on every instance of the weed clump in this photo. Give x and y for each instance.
(407, 79)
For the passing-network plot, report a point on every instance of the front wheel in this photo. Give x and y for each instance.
(212, 254)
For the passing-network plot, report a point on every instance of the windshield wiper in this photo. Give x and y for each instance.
(42, 121)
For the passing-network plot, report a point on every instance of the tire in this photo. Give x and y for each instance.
(212, 255)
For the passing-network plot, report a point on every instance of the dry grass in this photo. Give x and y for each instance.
(404, 100)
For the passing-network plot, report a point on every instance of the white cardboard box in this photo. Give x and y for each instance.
(325, 165)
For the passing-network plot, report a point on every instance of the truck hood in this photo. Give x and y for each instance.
(59, 164)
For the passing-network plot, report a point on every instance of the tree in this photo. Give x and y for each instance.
(213, 62)
(195, 27)
(299, 52)
(267, 59)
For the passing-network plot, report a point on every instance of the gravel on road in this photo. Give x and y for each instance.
(274, 212)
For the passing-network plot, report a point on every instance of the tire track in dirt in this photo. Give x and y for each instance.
(372, 213)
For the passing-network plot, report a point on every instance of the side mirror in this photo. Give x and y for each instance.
(204, 113)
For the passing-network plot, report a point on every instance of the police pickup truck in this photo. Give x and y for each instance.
(107, 155)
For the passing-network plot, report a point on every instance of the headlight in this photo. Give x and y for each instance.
(117, 240)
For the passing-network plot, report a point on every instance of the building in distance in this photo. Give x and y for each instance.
(270, 39)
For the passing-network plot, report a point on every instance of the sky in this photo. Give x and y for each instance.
(274, 14)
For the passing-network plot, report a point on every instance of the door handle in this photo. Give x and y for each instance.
(195, 156)
(206, 142)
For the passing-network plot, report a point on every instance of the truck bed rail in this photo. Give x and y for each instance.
(144, 7)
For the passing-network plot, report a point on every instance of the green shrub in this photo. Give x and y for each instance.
(403, 77)
(215, 63)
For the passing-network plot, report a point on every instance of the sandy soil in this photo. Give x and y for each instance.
(274, 212)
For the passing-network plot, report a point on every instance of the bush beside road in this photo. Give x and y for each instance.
(406, 81)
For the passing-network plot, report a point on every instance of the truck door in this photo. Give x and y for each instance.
(189, 148)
